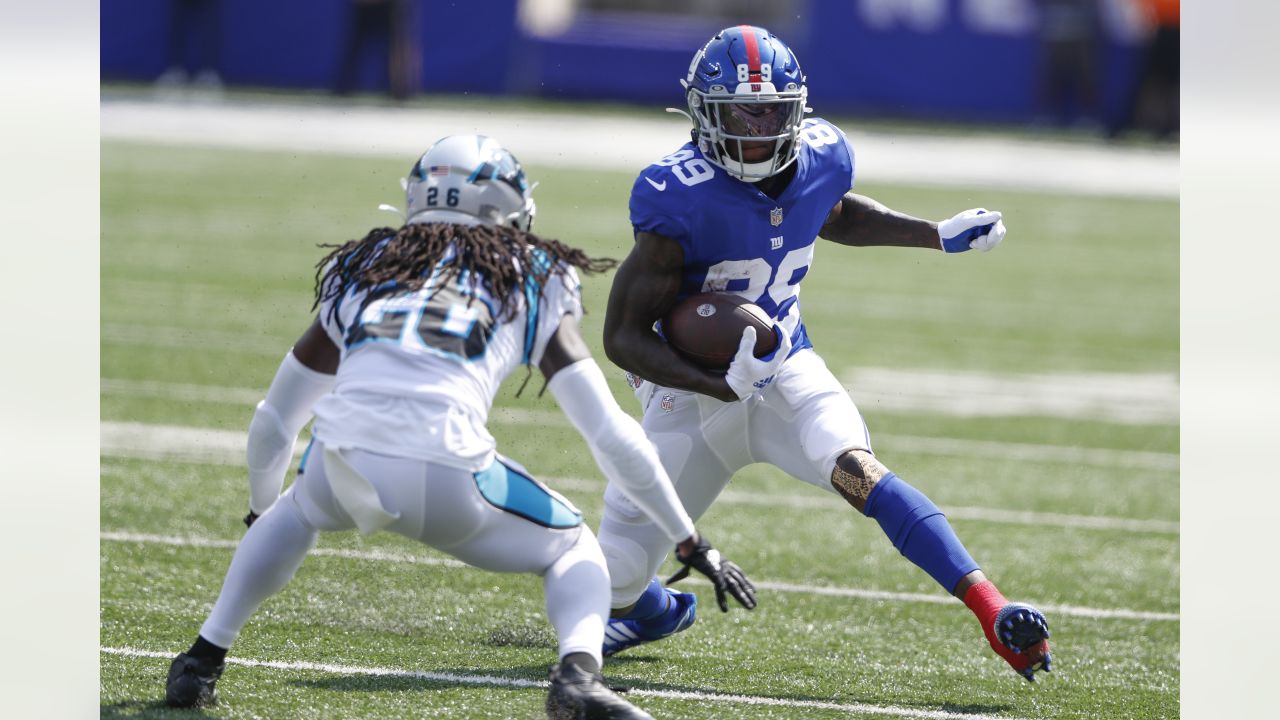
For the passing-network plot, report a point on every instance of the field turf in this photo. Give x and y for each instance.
(206, 260)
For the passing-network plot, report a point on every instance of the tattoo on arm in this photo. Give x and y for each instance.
(860, 221)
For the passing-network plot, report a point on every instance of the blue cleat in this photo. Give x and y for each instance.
(620, 633)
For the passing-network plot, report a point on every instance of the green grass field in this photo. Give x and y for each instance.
(206, 260)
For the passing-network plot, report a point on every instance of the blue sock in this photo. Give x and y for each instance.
(652, 603)
(919, 530)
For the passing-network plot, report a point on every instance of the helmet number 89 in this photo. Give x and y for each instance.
(766, 72)
(450, 197)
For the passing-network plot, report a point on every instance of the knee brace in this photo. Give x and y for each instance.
(855, 476)
(628, 571)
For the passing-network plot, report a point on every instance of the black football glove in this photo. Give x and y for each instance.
(248, 519)
(724, 574)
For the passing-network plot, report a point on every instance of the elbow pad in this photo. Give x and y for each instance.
(274, 429)
(619, 446)
(270, 449)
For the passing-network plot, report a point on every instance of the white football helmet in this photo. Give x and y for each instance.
(469, 180)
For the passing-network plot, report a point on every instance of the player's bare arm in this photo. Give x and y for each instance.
(316, 351)
(644, 289)
(564, 348)
(863, 222)
(860, 221)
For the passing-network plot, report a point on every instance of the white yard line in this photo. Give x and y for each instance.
(226, 447)
(1114, 397)
(824, 590)
(189, 541)
(1135, 398)
(186, 339)
(507, 682)
(591, 141)
(899, 390)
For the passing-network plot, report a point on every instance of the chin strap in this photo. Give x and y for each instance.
(678, 111)
(392, 209)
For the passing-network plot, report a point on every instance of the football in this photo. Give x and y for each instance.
(707, 328)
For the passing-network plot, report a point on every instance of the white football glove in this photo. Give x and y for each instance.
(974, 229)
(747, 373)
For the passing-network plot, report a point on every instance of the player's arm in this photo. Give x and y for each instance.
(627, 457)
(860, 221)
(644, 289)
(305, 374)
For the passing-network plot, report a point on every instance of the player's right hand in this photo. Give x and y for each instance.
(726, 576)
(748, 373)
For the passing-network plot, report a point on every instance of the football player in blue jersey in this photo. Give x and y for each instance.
(738, 210)
(417, 328)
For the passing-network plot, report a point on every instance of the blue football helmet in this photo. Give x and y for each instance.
(745, 91)
(469, 180)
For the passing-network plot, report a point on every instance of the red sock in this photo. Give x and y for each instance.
(985, 601)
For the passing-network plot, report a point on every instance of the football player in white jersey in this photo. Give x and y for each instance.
(738, 209)
(417, 328)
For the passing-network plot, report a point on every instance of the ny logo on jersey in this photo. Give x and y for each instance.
(776, 242)
(775, 217)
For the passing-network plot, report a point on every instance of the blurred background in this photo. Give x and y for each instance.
(1032, 392)
(1106, 67)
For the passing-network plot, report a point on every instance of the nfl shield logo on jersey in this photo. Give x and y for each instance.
(775, 217)
(668, 402)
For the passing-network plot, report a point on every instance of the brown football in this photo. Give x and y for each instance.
(706, 328)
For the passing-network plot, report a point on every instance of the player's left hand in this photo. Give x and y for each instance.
(975, 229)
(726, 576)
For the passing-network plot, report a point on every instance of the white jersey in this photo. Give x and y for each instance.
(420, 369)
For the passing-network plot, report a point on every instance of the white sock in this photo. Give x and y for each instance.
(577, 591)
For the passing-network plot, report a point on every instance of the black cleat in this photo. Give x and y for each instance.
(191, 682)
(1023, 630)
(578, 694)
(1019, 626)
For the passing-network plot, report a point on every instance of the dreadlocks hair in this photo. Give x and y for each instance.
(503, 258)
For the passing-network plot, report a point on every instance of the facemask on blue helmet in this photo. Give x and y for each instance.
(746, 97)
(469, 180)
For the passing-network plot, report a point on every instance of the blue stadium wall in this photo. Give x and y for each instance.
(952, 72)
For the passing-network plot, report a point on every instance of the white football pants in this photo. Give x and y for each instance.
(800, 423)
(438, 505)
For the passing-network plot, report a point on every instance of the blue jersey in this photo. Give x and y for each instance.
(735, 238)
